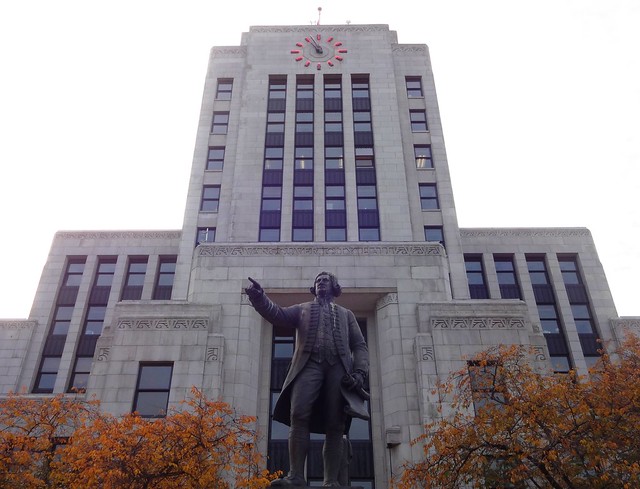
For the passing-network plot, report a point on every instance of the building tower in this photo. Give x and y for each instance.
(318, 148)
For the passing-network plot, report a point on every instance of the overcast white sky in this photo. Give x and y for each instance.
(99, 104)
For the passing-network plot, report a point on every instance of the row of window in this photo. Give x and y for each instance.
(94, 315)
(545, 298)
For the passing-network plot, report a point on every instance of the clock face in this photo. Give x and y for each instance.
(315, 51)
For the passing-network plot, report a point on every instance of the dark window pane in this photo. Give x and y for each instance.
(152, 404)
(155, 377)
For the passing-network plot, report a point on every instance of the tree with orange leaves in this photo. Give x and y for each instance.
(204, 444)
(31, 432)
(513, 426)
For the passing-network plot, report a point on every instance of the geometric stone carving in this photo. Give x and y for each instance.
(426, 353)
(119, 234)
(103, 354)
(538, 351)
(17, 324)
(477, 323)
(391, 298)
(163, 324)
(213, 354)
(320, 250)
(515, 232)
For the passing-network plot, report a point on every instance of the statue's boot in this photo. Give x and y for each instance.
(332, 458)
(298, 448)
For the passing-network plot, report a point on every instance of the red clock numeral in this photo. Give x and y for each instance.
(319, 67)
(330, 38)
(299, 44)
(299, 58)
(318, 37)
(307, 63)
(307, 39)
(338, 44)
(295, 51)
(339, 58)
(342, 51)
(329, 63)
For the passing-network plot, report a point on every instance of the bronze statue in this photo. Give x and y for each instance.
(323, 389)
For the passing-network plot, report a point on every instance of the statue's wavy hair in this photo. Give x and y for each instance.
(337, 290)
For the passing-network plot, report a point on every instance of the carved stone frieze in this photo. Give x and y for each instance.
(118, 234)
(478, 323)
(17, 324)
(163, 323)
(213, 249)
(409, 49)
(520, 232)
(279, 29)
(627, 322)
(228, 52)
(539, 353)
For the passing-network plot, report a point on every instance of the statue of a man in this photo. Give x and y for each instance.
(324, 386)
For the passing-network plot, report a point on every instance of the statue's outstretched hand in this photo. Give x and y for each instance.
(254, 290)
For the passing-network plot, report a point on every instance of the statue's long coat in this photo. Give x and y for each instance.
(305, 318)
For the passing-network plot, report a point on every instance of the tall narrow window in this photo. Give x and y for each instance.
(335, 214)
(302, 216)
(475, 277)
(580, 308)
(152, 389)
(166, 275)
(507, 279)
(57, 335)
(134, 280)
(93, 323)
(225, 85)
(548, 313)
(271, 199)
(366, 188)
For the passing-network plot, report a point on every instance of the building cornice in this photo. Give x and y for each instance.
(305, 29)
(17, 324)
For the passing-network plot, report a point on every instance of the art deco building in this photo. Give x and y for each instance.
(318, 148)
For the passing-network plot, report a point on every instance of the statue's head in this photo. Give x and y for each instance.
(326, 283)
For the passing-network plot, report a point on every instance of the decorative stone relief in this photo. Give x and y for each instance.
(630, 322)
(213, 354)
(229, 52)
(391, 298)
(17, 324)
(103, 354)
(515, 232)
(539, 353)
(477, 323)
(325, 28)
(119, 234)
(164, 323)
(426, 353)
(409, 49)
(213, 249)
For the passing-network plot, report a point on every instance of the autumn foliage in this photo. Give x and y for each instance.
(204, 444)
(514, 426)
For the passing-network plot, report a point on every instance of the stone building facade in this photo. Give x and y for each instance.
(318, 148)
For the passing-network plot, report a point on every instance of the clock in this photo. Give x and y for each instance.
(316, 51)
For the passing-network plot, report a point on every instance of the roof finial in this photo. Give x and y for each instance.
(319, 12)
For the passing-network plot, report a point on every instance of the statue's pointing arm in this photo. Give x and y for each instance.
(269, 310)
